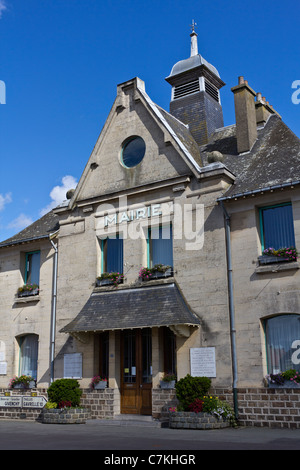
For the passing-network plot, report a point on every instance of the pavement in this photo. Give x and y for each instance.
(138, 439)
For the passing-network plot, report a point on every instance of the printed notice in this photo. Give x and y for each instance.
(203, 362)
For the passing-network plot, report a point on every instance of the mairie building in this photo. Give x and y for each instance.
(189, 215)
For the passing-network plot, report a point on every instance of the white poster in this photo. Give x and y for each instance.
(73, 366)
(203, 362)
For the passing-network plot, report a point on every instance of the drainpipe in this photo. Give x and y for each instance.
(53, 315)
(231, 308)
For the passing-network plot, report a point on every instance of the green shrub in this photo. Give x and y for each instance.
(65, 390)
(190, 388)
(50, 405)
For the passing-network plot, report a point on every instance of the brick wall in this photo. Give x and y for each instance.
(102, 403)
(274, 408)
(21, 413)
(266, 407)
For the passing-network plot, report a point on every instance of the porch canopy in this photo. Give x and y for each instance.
(142, 307)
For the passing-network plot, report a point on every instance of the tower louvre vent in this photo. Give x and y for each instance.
(186, 89)
(212, 91)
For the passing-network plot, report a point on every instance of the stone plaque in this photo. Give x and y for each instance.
(203, 362)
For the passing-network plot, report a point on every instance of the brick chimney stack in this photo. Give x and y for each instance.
(263, 110)
(245, 115)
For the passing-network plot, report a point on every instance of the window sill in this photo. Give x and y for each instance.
(28, 299)
(277, 267)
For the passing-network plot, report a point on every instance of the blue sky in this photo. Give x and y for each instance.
(61, 61)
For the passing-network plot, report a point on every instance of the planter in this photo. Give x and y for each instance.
(66, 416)
(28, 293)
(286, 384)
(273, 260)
(189, 420)
(167, 385)
(23, 385)
(100, 385)
(104, 282)
(159, 274)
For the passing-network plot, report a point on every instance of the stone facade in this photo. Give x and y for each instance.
(216, 272)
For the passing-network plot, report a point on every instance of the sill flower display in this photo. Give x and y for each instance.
(96, 379)
(28, 288)
(147, 273)
(22, 379)
(116, 278)
(290, 253)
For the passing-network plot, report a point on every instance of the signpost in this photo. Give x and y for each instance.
(20, 401)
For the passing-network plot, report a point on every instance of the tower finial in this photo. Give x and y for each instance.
(193, 25)
(194, 41)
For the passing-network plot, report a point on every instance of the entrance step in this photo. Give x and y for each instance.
(132, 420)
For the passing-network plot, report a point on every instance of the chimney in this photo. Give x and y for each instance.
(263, 110)
(245, 115)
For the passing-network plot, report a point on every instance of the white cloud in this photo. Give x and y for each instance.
(3, 7)
(20, 222)
(58, 193)
(4, 200)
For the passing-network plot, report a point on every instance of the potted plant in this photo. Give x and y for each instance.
(168, 381)
(287, 379)
(27, 290)
(156, 272)
(98, 382)
(109, 279)
(23, 381)
(270, 255)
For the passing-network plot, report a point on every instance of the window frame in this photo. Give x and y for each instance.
(21, 340)
(261, 221)
(104, 255)
(269, 364)
(26, 274)
(150, 263)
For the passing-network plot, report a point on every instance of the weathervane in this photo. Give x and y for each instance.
(193, 25)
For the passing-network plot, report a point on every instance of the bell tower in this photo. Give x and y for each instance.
(195, 99)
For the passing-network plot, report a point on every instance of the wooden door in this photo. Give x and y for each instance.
(136, 371)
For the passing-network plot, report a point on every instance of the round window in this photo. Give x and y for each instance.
(133, 152)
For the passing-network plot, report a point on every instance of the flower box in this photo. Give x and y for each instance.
(98, 382)
(273, 260)
(28, 293)
(270, 255)
(160, 274)
(286, 384)
(18, 383)
(167, 385)
(104, 282)
(157, 272)
(100, 385)
(109, 279)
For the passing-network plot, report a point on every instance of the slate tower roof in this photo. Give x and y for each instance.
(195, 94)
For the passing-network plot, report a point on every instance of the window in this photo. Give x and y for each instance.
(277, 227)
(282, 343)
(133, 152)
(160, 246)
(28, 355)
(112, 255)
(169, 352)
(104, 354)
(32, 268)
